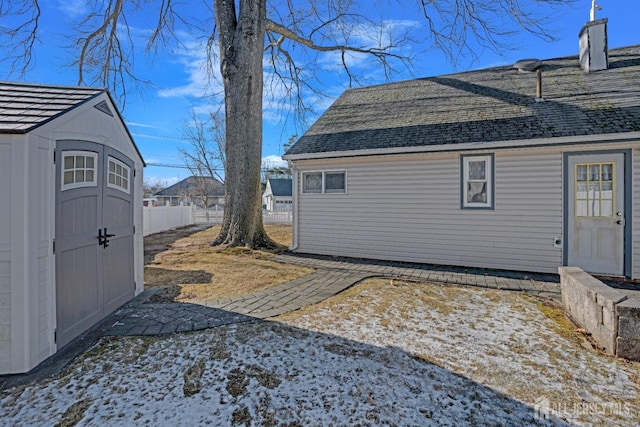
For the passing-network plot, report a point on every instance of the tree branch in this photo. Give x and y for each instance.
(20, 39)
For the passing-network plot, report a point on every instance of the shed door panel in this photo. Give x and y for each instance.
(91, 280)
(118, 220)
(78, 215)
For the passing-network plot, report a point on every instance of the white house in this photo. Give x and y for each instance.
(277, 194)
(480, 169)
(71, 248)
(205, 191)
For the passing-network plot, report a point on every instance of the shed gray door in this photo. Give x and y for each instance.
(92, 279)
(596, 210)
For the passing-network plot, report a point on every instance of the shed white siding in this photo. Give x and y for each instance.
(636, 214)
(6, 155)
(27, 310)
(407, 208)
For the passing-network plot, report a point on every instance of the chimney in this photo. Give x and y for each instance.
(594, 54)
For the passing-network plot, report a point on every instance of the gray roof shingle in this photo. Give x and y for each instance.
(24, 107)
(281, 187)
(193, 186)
(494, 104)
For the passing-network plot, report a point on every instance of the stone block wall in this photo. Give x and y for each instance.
(628, 342)
(609, 315)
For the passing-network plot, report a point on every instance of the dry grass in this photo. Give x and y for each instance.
(190, 270)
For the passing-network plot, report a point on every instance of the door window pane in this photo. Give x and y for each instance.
(594, 189)
(68, 177)
(118, 171)
(78, 169)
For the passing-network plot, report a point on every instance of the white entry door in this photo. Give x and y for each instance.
(596, 220)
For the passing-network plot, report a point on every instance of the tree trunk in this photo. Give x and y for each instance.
(241, 38)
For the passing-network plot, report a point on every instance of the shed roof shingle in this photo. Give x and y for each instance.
(24, 107)
(494, 104)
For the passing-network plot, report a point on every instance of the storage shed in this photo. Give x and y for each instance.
(71, 248)
(479, 169)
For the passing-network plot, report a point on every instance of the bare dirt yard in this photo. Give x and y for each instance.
(183, 266)
(385, 352)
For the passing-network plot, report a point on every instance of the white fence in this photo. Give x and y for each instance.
(161, 218)
(214, 216)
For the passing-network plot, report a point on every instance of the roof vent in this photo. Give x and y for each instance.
(102, 106)
(529, 66)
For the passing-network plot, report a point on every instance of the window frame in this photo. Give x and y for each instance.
(587, 181)
(489, 160)
(124, 166)
(323, 175)
(304, 182)
(82, 184)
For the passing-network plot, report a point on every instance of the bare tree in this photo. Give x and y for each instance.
(205, 156)
(151, 187)
(247, 31)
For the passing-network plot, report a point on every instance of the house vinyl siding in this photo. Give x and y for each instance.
(408, 209)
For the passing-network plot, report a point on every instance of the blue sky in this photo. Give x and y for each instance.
(157, 114)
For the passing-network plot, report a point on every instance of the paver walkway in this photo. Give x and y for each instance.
(332, 276)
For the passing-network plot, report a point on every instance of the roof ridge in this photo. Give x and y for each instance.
(482, 69)
(51, 86)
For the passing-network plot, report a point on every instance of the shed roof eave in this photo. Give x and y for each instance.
(472, 146)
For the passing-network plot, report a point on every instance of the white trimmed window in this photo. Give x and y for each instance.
(79, 169)
(118, 175)
(477, 182)
(324, 182)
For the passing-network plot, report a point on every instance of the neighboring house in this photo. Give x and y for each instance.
(70, 174)
(471, 169)
(199, 190)
(277, 194)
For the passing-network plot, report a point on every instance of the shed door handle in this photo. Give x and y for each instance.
(103, 237)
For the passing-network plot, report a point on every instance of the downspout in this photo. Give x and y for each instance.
(294, 200)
